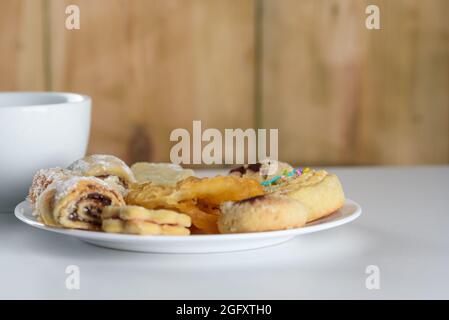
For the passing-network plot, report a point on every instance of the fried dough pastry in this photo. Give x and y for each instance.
(203, 221)
(152, 196)
(216, 190)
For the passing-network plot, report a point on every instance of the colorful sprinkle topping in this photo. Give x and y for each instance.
(285, 175)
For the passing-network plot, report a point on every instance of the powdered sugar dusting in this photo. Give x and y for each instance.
(64, 187)
(43, 178)
(102, 160)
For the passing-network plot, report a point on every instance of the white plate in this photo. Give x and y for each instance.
(195, 243)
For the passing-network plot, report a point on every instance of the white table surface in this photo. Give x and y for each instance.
(404, 230)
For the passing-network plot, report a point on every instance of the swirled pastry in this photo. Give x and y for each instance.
(109, 168)
(138, 220)
(43, 178)
(76, 202)
(321, 192)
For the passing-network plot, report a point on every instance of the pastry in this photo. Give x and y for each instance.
(203, 221)
(216, 190)
(43, 178)
(152, 196)
(262, 213)
(114, 171)
(262, 171)
(100, 192)
(138, 220)
(198, 198)
(160, 173)
(319, 191)
(76, 202)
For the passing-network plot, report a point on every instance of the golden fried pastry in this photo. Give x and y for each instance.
(43, 178)
(262, 171)
(160, 173)
(152, 196)
(219, 189)
(262, 213)
(141, 221)
(320, 192)
(76, 202)
(204, 222)
(109, 168)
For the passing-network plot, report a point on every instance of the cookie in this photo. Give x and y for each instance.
(320, 192)
(138, 220)
(262, 213)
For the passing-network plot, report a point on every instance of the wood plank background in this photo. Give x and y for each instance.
(21, 45)
(338, 93)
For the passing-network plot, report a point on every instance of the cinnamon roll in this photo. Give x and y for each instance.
(76, 202)
(111, 169)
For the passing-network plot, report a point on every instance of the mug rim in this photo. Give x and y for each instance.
(72, 98)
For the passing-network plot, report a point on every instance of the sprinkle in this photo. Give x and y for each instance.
(285, 174)
(270, 181)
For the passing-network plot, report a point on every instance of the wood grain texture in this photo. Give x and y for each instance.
(342, 94)
(405, 106)
(338, 93)
(21, 45)
(153, 66)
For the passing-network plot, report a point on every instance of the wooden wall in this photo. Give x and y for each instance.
(21, 45)
(338, 93)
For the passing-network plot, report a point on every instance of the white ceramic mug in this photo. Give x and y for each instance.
(38, 130)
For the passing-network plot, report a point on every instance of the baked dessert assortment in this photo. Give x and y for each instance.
(101, 193)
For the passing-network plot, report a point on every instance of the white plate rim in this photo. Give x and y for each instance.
(321, 224)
